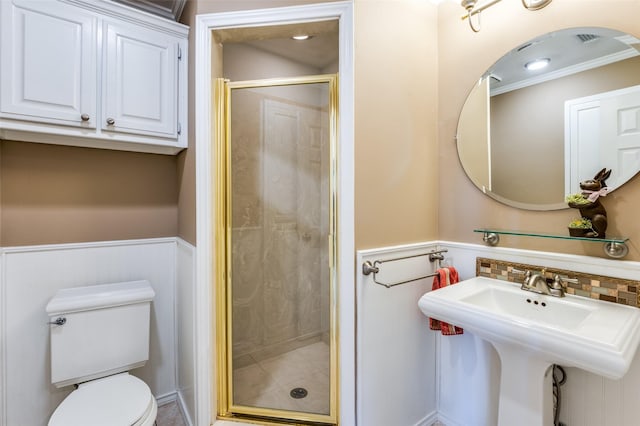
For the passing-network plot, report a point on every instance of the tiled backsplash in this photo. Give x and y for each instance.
(599, 287)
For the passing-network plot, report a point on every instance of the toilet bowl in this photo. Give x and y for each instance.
(116, 400)
(98, 334)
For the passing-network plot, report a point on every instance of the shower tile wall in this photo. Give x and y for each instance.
(280, 284)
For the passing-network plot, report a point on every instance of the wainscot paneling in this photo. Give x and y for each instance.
(32, 275)
(396, 351)
(185, 326)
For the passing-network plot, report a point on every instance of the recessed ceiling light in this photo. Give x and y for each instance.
(301, 37)
(537, 64)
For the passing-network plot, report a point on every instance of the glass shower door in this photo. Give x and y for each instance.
(280, 162)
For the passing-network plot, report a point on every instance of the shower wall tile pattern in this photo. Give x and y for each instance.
(279, 175)
(600, 287)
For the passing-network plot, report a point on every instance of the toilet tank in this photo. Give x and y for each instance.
(105, 330)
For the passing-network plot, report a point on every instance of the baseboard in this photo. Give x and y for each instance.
(183, 409)
(176, 397)
(167, 398)
(429, 420)
(446, 421)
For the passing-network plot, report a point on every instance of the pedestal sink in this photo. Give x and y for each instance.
(531, 332)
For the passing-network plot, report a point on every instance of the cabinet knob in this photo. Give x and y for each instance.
(85, 117)
(111, 121)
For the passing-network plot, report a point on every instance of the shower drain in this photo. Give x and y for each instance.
(298, 393)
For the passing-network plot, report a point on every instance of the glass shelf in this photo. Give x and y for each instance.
(615, 247)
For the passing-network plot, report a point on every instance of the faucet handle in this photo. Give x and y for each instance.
(525, 281)
(565, 280)
(558, 287)
(558, 282)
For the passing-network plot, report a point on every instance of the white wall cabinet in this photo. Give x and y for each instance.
(140, 81)
(92, 73)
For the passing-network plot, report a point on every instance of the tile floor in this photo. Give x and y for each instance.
(268, 383)
(170, 415)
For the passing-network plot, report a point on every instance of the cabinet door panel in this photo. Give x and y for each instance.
(140, 81)
(49, 63)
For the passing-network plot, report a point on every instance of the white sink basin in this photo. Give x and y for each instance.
(532, 331)
(509, 300)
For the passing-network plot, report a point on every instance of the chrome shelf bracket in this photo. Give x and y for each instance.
(491, 239)
(616, 250)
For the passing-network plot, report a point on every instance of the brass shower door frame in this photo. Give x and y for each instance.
(226, 409)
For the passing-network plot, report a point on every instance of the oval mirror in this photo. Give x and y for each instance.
(551, 113)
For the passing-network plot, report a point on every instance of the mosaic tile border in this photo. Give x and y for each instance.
(600, 287)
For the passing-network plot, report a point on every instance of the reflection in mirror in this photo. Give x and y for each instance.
(526, 137)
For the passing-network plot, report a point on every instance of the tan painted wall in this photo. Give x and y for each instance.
(518, 172)
(396, 171)
(58, 194)
(463, 57)
(186, 161)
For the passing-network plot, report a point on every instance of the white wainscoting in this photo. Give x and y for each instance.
(31, 276)
(395, 350)
(592, 400)
(407, 374)
(185, 305)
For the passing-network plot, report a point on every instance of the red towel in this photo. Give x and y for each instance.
(446, 276)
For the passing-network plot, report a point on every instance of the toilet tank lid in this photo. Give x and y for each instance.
(100, 296)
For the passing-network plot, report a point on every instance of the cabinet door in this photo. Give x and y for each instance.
(140, 75)
(48, 63)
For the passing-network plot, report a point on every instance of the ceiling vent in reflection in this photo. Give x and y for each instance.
(586, 38)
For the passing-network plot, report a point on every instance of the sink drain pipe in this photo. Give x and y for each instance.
(559, 379)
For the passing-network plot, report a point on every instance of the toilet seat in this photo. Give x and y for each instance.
(119, 400)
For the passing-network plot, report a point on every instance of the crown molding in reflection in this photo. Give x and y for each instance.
(583, 66)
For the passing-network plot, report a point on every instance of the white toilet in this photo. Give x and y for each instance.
(98, 333)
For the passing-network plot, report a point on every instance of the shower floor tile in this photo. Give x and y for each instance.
(268, 383)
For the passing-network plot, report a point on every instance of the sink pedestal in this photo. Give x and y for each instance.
(526, 396)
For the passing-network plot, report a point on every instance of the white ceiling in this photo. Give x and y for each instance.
(318, 51)
(571, 50)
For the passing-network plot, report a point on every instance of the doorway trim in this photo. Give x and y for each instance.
(205, 63)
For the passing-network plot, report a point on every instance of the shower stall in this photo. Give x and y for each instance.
(277, 206)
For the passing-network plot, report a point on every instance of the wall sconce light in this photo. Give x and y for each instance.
(474, 9)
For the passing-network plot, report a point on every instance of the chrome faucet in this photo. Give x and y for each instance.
(538, 283)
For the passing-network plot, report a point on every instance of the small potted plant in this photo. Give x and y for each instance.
(577, 199)
(580, 227)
